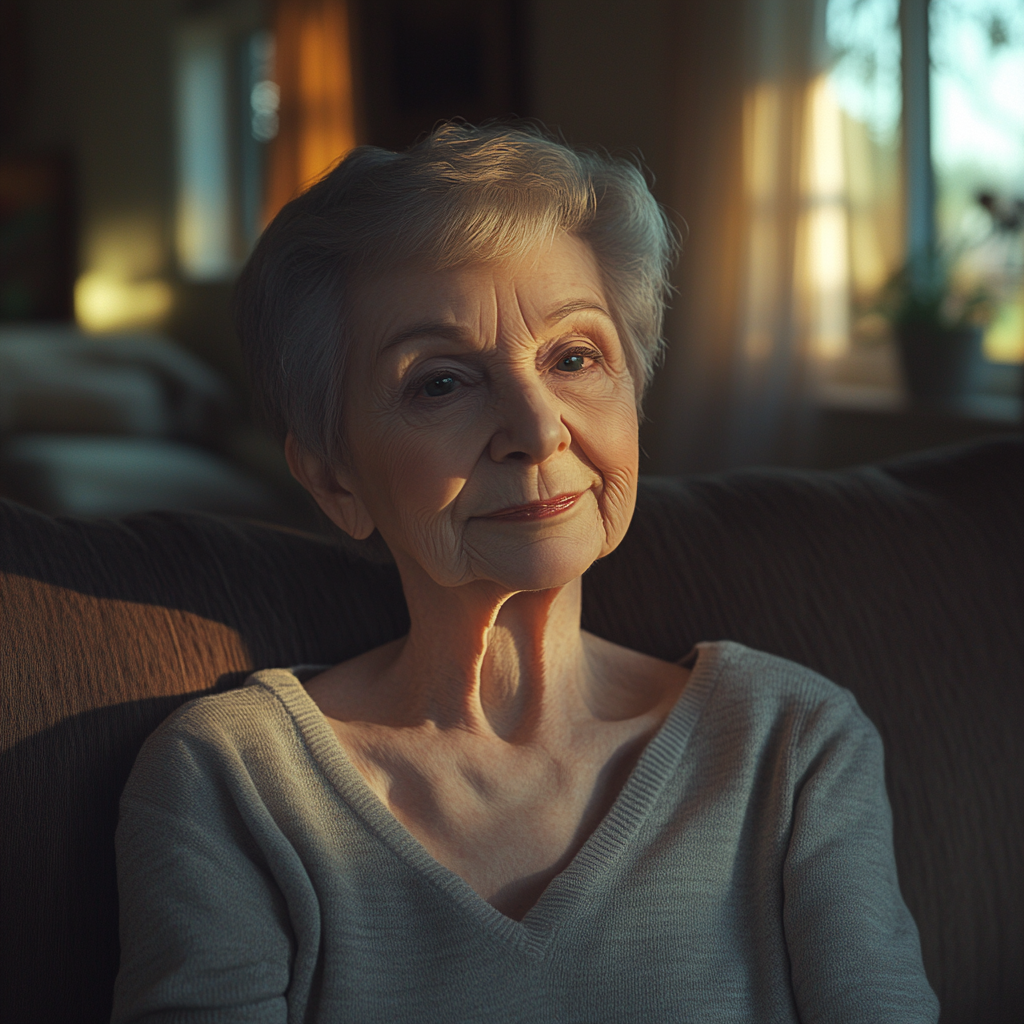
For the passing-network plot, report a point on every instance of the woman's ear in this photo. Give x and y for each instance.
(331, 489)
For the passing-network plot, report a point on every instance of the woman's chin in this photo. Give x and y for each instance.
(543, 564)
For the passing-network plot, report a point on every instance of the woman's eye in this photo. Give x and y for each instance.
(573, 362)
(443, 384)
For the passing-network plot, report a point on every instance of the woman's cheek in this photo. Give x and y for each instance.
(425, 466)
(423, 470)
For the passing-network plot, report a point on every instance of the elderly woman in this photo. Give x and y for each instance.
(498, 817)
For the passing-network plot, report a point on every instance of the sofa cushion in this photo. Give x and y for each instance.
(54, 378)
(901, 582)
(76, 474)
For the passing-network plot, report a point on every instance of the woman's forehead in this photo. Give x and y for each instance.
(557, 280)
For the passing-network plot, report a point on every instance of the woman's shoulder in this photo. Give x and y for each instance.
(223, 732)
(766, 717)
(763, 689)
(228, 712)
(768, 676)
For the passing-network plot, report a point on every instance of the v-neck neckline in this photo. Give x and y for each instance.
(567, 890)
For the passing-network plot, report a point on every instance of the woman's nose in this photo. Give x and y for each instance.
(530, 426)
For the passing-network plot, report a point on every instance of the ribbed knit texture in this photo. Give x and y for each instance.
(744, 873)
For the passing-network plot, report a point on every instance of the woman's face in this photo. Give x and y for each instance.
(490, 419)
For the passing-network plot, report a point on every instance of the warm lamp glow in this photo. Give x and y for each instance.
(105, 302)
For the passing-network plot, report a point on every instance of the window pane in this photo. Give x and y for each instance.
(204, 200)
(865, 41)
(977, 98)
(864, 78)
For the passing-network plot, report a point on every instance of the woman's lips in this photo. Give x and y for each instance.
(537, 509)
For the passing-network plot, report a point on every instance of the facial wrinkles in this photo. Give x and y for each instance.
(398, 448)
(530, 417)
(441, 459)
(608, 429)
(615, 436)
(439, 525)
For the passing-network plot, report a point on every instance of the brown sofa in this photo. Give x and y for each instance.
(903, 582)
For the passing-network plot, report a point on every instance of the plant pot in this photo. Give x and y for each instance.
(939, 364)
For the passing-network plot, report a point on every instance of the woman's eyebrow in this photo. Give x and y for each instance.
(575, 306)
(454, 332)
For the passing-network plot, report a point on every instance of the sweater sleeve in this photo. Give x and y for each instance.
(853, 946)
(204, 929)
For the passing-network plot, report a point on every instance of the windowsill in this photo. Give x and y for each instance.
(995, 408)
(868, 379)
(864, 416)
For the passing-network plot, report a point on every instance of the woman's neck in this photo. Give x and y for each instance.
(480, 658)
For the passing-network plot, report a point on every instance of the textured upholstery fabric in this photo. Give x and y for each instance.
(903, 583)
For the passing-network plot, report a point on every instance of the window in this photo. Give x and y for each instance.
(977, 123)
(226, 114)
(926, 100)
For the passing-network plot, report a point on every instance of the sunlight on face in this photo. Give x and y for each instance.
(484, 389)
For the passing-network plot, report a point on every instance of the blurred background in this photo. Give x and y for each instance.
(848, 175)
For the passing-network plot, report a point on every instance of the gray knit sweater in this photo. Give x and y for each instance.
(744, 874)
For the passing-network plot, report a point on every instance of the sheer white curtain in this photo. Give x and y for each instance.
(764, 278)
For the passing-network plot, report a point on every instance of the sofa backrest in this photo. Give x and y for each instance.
(903, 583)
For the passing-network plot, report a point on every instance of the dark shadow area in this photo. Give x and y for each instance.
(423, 61)
(59, 897)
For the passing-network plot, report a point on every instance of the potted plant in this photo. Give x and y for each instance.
(938, 319)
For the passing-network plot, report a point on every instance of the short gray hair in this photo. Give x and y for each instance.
(461, 195)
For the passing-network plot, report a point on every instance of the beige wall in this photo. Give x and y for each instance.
(601, 73)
